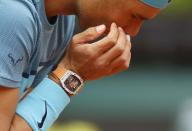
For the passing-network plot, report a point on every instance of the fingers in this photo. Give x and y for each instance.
(122, 62)
(107, 42)
(89, 35)
(118, 65)
(117, 59)
(117, 50)
(129, 41)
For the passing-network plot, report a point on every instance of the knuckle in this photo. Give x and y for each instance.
(90, 54)
(119, 49)
(126, 65)
(89, 32)
(123, 60)
(92, 57)
(129, 54)
(74, 39)
(95, 54)
(112, 40)
(90, 37)
(129, 45)
(101, 64)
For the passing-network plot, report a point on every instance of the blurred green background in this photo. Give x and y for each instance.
(148, 96)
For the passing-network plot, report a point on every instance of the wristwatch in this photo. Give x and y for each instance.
(68, 80)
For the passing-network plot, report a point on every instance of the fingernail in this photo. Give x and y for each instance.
(128, 37)
(100, 28)
(114, 24)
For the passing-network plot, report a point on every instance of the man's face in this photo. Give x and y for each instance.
(128, 14)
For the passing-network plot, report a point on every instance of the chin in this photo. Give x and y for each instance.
(132, 33)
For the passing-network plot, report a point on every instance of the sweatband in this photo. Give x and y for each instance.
(43, 105)
(160, 4)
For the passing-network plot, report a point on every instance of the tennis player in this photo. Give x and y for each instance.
(39, 50)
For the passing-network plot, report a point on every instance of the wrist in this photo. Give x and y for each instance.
(54, 79)
(67, 64)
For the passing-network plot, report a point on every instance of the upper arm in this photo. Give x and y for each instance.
(18, 36)
(8, 103)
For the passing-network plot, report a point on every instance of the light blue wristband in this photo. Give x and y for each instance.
(43, 105)
(157, 3)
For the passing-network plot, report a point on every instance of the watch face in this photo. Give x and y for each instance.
(72, 83)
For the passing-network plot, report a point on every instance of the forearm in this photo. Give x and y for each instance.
(40, 108)
(9, 100)
(19, 124)
(13, 123)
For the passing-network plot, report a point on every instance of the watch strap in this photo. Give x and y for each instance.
(59, 72)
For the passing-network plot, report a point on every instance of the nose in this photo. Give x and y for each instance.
(134, 27)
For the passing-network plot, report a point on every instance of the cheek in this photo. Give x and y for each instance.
(122, 19)
(91, 20)
(87, 19)
(85, 22)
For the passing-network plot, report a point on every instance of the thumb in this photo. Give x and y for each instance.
(89, 34)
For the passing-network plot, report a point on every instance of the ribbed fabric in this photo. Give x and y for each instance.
(29, 44)
(43, 105)
(29, 47)
(17, 38)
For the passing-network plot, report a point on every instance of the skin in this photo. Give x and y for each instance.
(117, 57)
(104, 57)
(130, 15)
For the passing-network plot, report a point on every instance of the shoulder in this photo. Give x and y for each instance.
(18, 14)
(17, 8)
(18, 23)
(19, 33)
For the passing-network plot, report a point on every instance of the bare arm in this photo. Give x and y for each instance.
(105, 57)
(9, 120)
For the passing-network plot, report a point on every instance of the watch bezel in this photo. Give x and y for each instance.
(65, 77)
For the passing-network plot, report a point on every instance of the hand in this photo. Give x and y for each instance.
(105, 57)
